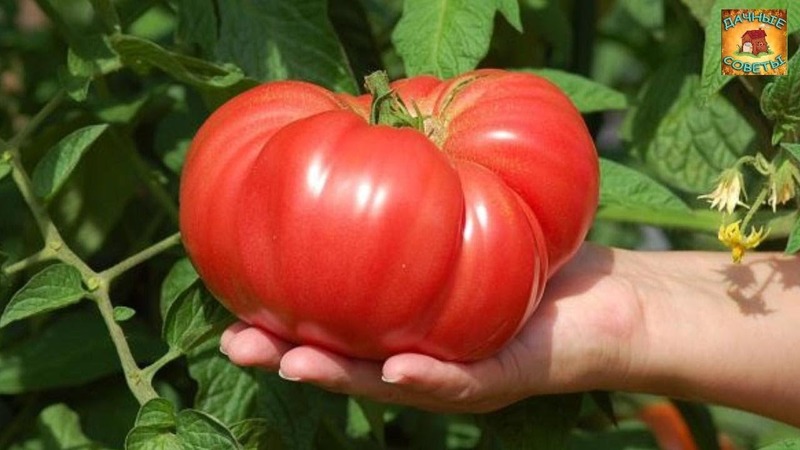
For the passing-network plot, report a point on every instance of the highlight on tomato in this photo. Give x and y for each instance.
(423, 217)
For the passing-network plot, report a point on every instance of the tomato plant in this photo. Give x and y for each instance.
(108, 335)
(308, 218)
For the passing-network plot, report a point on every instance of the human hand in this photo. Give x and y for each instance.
(578, 339)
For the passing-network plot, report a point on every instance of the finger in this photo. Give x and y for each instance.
(451, 387)
(251, 346)
(339, 374)
(229, 333)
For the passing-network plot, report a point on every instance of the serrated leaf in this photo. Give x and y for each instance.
(257, 434)
(159, 426)
(587, 95)
(123, 313)
(71, 350)
(56, 286)
(539, 422)
(780, 100)
(444, 37)
(273, 40)
(227, 391)
(142, 54)
(194, 318)
(793, 244)
(695, 141)
(60, 428)
(179, 278)
(58, 163)
(200, 431)
(623, 186)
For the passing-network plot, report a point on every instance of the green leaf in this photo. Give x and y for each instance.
(143, 55)
(695, 141)
(444, 37)
(788, 444)
(712, 78)
(587, 95)
(56, 286)
(85, 214)
(700, 9)
(510, 10)
(200, 431)
(274, 40)
(179, 278)
(60, 428)
(536, 423)
(155, 427)
(629, 435)
(71, 350)
(57, 165)
(197, 23)
(123, 313)
(226, 391)
(298, 410)
(793, 245)
(257, 434)
(623, 186)
(88, 58)
(793, 149)
(159, 427)
(194, 318)
(780, 100)
(157, 412)
(365, 418)
(5, 167)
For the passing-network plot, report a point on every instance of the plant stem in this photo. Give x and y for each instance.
(149, 372)
(45, 254)
(137, 383)
(98, 283)
(695, 220)
(116, 270)
(762, 196)
(37, 120)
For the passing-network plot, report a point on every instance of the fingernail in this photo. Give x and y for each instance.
(286, 377)
(222, 350)
(391, 379)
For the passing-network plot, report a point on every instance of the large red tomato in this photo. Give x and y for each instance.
(309, 221)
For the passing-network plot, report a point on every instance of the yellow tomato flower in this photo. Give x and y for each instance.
(731, 235)
(725, 196)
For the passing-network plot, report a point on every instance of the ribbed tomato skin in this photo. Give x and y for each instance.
(304, 219)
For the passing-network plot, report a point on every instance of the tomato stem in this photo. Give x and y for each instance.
(387, 107)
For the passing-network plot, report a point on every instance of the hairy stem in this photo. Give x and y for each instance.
(45, 254)
(137, 383)
(123, 266)
(149, 372)
(56, 248)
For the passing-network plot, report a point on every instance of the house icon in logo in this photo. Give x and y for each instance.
(755, 42)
